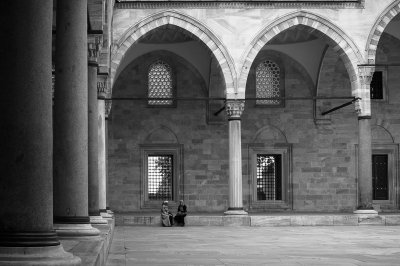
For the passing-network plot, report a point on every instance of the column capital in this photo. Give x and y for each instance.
(108, 104)
(363, 105)
(234, 108)
(102, 86)
(53, 79)
(365, 74)
(94, 45)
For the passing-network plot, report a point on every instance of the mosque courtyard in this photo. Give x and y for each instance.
(242, 245)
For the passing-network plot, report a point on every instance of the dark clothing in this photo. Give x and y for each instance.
(180, 215)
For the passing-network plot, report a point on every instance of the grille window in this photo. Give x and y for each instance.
(160, 177)
(377, 85)
(269, 178)
(160, 83)
(268, 83)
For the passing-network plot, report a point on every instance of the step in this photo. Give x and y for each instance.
(348, 219)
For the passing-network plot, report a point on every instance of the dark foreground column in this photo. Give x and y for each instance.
(234, 110)
(363, 107)
(26, 186)
(71, 122)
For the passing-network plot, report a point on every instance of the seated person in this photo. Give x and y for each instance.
(180, 215)
(166, 215)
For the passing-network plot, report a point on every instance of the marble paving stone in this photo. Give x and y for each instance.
(216, 245)
(345, 220)
(371, 221)
(270, 221)
(236, 220)
(392, 220)
(308, 220)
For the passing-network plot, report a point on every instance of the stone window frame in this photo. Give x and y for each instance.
(173, 77)
(278, 61)
(176, 150)
(385, 90)
(285, 150)
(392, 150)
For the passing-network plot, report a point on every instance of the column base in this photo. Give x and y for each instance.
(43, 256)
(109, 211)
(366, 213)
(106, 215)
(76, 230)
(235, 211)
(98, 219)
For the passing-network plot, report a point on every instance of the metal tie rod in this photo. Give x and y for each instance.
(224, 99)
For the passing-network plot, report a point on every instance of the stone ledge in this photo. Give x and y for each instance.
(265, 220)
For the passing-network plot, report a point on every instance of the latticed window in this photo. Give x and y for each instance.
(268, 83)
(160, 83)
(160, 177)
(269, 178)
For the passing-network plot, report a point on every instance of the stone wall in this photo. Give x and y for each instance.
(386, 113)
(205, 147)
(323, 164)
(323, 148)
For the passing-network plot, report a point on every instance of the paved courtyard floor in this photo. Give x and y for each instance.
(206, 245)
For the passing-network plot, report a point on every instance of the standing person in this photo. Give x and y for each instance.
(180, 215)
(166, 215)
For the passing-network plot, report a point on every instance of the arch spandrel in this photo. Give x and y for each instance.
(342, 44)
(185, 22)
(379, 27)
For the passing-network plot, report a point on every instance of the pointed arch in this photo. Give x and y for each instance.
(270, 132)
(379, 27)
(185, 22)
(342, 44)
(161, 134)
(381, 134)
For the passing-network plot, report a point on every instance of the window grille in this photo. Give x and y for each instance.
(160, 177)
(269, 180)
(377, 85)
(160, 83)
(268, 83)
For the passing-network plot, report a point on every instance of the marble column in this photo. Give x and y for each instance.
(93, 142)
(108, 104)
(102, 90)
(234, 109)
(26, 164)
(363, 107)
(71, 122)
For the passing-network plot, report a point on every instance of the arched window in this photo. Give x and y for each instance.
(268, 83)
(160, 83)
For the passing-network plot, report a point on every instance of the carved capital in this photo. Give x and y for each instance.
(53, 79)
(108, 104)
(102, 86)
(234, 108)
(365, 74)
(94, 41)
(363, 105)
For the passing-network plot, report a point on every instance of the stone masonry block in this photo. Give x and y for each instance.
(270, 221)
(392, 219)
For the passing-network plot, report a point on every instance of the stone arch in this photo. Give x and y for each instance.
(280, 57)
(380, 131)
(376, 32)
(381, 135)
(270, 133)
(185, 22)
(162, 134)
(342, 43)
